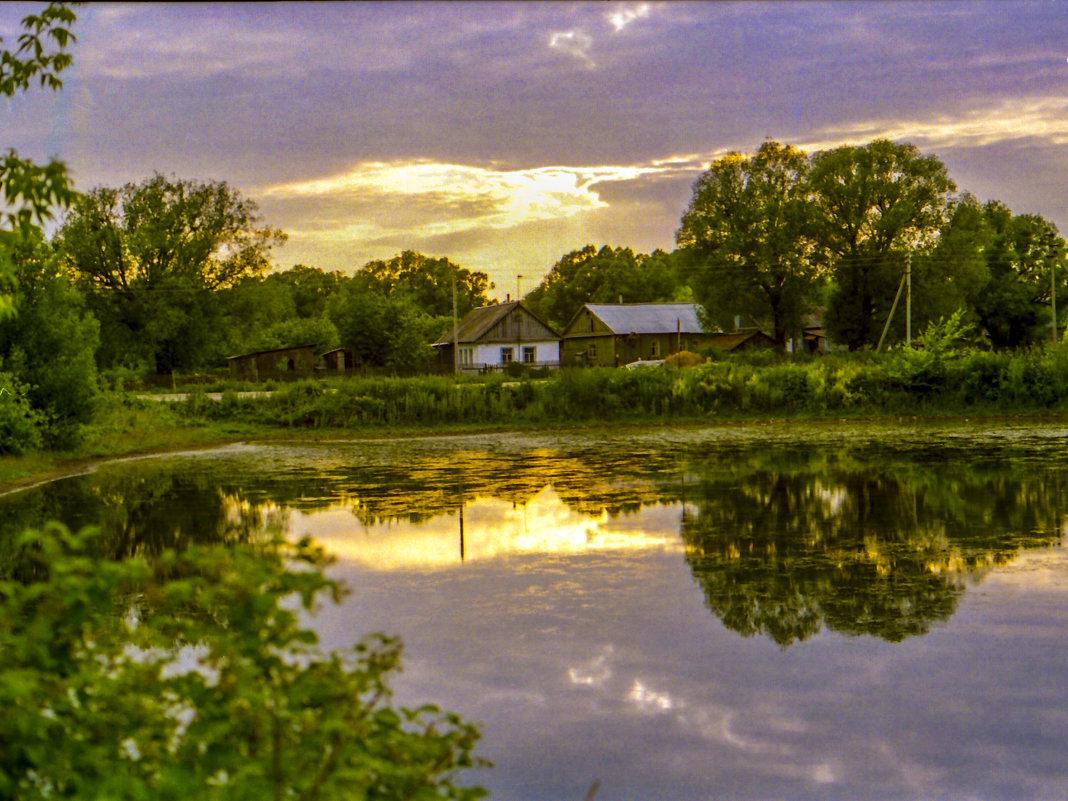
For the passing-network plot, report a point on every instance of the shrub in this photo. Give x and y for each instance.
(20, 423)
(683, 359)
(190, 675)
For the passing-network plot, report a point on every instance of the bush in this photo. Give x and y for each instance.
(683, 359)
(189, 675)
(20, 423)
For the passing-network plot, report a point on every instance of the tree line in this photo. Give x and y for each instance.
(779, 234)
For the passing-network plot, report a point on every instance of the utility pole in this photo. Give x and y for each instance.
(1053, 295)
(906, 281)
(455, 330)
(908, 299)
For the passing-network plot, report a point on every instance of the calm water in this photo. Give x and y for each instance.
(789, 612)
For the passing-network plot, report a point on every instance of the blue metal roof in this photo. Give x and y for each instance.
(648, 318)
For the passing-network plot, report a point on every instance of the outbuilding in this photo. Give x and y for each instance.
(277, 363)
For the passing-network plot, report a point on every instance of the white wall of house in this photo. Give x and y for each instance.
(534, 352)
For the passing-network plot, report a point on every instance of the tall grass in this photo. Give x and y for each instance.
(904, 382)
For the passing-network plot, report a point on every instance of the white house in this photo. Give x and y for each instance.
(491, 337)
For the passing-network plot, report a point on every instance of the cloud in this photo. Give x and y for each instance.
(575, 43)
(1043, 118)
(627, 13)
(162, 41)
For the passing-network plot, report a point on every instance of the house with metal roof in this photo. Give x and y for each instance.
(492, 337)
(615, 334)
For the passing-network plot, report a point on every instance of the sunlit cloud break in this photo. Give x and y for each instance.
(470, 196)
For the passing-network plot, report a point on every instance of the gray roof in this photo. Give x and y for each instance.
(477, 322)
(648, 318)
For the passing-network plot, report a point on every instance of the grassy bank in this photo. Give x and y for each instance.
(903, 384)
(907, 383)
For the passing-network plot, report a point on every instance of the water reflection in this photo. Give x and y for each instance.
(865, 538)
(592, 616)
(486, 528)
(145, 508)
(882, 549)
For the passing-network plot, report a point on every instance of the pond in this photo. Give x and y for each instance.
(794, 611)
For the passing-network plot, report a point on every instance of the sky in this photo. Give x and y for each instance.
(505, 135)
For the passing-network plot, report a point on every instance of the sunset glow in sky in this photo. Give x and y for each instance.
(503, 135)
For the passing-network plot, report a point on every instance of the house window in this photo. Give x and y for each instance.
(467, 356)
(529, 355)
(656, 349)
(507, 355)
(592, 351)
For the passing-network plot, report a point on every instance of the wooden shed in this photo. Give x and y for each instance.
(338, 360)
(738, 341)
(279, 363)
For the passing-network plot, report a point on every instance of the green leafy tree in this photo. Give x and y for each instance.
(872, 203)
(28, 194)
(281, 309)
(747, 234)
(426, 282)
(385, 331)
(20, 422)
(592, 275)
(50, 342)
(190, 675)
(309, 287)
(28, 191)
(947, 280)
(1025, 259)
(251, 309)
(151, 257)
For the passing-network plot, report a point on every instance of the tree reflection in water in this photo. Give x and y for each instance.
(146, 510)
(882, 548)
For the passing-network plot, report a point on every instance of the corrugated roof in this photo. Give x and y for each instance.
(477, 322)
(272, 350)
(730, 342)
(648, 318)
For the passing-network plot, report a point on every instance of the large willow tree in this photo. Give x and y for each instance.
(747, 239)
